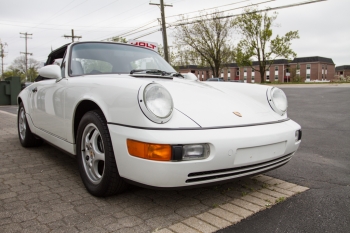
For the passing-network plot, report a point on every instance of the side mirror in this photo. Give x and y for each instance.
(51, 71)
(190, 76)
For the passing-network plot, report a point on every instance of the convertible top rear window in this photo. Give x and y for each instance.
(110, 58)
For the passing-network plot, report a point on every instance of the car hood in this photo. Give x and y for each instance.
(221, 104)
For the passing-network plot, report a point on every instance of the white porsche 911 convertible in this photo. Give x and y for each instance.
(129, 117)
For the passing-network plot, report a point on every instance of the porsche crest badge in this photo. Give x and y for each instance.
(237, 114)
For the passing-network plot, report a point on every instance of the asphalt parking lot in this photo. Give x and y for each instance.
(322, 163)
(41, 191)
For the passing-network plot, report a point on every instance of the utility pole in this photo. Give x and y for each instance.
(165, 40)
(72, 36)
(2, 55)
(26, 52)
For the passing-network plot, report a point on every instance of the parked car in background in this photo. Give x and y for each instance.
(129, 117)
(215, 80)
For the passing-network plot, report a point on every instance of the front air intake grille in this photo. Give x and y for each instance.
(238, 171)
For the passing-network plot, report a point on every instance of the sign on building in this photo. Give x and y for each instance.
(146, 44)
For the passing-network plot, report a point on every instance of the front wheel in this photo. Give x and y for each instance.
(26, 137)
(95, 155)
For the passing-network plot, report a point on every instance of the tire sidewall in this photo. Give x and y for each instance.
(25, 140)
(101, 188)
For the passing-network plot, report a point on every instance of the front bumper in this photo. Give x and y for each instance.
(234, 153)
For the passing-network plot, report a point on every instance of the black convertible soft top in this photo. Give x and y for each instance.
(56, 54)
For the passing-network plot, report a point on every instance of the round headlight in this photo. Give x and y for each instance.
(277, 100)
(156, 102)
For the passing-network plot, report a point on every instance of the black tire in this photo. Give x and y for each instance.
(95, 155)
(26, 137)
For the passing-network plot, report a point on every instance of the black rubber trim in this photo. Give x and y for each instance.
(201, 128)
(238, 170)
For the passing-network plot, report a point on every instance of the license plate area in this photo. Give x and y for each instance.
(259, 153)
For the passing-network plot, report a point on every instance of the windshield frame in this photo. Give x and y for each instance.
(159, 60)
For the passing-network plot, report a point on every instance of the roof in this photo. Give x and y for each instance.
(312, 59)
(57, 53)
(345, 67)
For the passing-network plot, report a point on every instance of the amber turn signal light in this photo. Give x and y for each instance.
(159, 152)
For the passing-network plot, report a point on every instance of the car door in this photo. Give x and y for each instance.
(48, 101)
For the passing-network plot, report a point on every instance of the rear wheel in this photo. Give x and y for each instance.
(26, 137)
(97, 165)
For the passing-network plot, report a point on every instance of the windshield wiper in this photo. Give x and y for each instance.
(177, 75)
(151, 71)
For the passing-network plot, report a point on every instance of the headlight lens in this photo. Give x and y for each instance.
(156, 102)
(280, 99)
(277, 100)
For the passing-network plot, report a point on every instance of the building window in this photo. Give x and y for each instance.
(245, 69)
(228, 74)
(308, 77)
(276, 68)
(308, 69)
(298, 66)
(237, 73)
(222, 73)
(268, 78)
(276, 78)
(245, 78)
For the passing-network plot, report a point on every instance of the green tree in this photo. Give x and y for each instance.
(18, 68)
(205, 42)
(257, 42)
(172, 55)
(118, 39)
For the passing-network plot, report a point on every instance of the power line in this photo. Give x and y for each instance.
(126, 33)
(241, 7)
(208, 9)
(129, 33)
(257, 11)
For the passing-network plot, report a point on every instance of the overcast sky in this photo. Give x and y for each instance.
(324, 27)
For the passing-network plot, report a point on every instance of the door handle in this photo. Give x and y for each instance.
(34, 90)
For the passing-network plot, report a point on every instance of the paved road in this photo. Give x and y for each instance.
(9, 108)
(322, 164)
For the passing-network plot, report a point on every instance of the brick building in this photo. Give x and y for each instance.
(304, 68)
(342, 70)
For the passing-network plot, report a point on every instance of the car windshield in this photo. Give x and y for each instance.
(111, 58)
